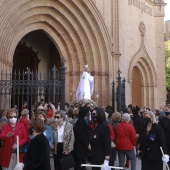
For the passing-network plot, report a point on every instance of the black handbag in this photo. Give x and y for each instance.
(23, 148)
(67, 162)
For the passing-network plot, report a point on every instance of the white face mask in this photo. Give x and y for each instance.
(13, 120)
(57, 121)
(42, 118)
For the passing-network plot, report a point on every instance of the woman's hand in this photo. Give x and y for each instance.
(66, 152)
(89, 147)
(139, 153)
(52, 146)
(107, 158)
(9, 134)
(14, 146)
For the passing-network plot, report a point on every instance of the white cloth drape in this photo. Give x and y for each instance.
(85, 87)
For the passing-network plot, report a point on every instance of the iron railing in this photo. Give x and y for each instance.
(15, 88)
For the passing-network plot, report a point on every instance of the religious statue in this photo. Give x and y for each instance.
(86, 85)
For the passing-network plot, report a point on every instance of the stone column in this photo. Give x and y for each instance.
(160, 56)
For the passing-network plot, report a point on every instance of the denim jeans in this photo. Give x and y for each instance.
(130, 155)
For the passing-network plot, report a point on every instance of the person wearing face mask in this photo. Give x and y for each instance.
(8, 136)
(63, 138)
(37, 157)
(151, 139)
(100, 139)
(165, 124)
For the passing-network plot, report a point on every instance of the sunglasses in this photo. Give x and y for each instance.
(12, 117)
(58, 117)
(94, 114)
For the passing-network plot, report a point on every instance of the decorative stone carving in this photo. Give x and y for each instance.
(5, 62)
(93, 73)
(142, 29)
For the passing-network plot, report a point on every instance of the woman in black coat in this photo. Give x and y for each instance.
(165, 124)
(100, 139)
(81, 145)
(37, 157)
(151, 139)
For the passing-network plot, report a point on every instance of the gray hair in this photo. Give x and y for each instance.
(25, 112)
(63, 114)
(126, 117)
(116, 116)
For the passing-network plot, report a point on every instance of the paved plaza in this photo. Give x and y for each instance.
(138, 165)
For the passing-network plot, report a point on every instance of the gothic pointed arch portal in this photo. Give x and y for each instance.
(37, 53)
(142, 69)
(146, 74)
(75, 27)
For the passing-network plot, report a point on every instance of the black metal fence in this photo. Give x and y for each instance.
(15, 88)
(120, 93)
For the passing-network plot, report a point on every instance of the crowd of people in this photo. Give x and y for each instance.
(96, 136)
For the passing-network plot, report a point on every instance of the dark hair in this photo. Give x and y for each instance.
(38, 125)
(70, 112)
(108, 107)
(100, 114)
(110, 112)
(148, 109)
(83, 111)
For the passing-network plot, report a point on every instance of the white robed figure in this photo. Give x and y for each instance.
(86, 85)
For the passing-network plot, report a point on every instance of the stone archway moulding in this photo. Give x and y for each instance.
(145, 66)
(142, 55)
(75, 27)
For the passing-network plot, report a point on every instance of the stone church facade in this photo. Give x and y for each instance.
(105, 34)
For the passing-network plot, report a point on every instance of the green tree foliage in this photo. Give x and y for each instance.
(167, 60)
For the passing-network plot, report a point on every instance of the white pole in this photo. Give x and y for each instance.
(99, 166)
(17, 149)
(163, 155)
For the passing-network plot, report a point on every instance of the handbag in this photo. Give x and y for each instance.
(67, 162)
(23, 148)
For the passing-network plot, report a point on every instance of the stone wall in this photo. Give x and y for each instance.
(103, 34)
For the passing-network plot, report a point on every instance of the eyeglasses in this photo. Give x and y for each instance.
(58, 117)
(12, 117)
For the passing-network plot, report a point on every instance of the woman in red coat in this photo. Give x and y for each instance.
(25, 119)
(125, 141)
(8, 137)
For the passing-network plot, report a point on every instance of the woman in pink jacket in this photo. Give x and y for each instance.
(125, 141)
(8, 137)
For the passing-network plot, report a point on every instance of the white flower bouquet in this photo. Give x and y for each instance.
(83, 102)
